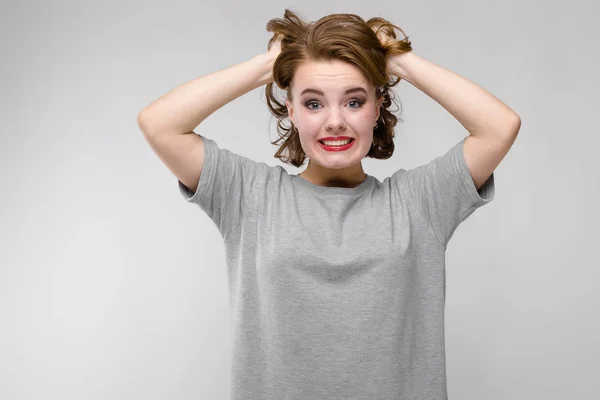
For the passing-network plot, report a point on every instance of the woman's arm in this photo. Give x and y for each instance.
(480, 112)
(492, 125)
(185, 107)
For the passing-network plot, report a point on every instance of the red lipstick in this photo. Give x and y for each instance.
(337, 148)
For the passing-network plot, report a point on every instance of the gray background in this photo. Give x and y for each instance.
(112, 287)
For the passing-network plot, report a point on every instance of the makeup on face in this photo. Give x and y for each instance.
(337, 145)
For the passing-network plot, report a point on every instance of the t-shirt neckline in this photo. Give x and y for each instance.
(327, 190)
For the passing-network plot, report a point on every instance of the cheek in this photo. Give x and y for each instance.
(312, 126)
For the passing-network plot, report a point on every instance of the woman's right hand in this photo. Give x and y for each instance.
(273, 53)
(276, 47)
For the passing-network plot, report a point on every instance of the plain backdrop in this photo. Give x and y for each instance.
(113, 287)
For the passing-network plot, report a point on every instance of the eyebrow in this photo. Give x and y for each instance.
(351, 90)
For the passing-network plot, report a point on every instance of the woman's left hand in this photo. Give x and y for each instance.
(392, 60)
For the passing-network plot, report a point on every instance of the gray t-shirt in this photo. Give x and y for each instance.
(336, 293)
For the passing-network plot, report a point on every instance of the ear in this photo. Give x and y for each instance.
(380, 102)
(290, 109)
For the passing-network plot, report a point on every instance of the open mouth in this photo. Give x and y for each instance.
(338, 143)
(338, 146)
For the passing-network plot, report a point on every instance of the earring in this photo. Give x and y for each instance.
(375, 126)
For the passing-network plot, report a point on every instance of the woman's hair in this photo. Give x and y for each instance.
(342, 37)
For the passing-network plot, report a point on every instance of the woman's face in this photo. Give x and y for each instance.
(333, 113)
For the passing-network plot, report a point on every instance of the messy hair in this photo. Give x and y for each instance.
(342, 37)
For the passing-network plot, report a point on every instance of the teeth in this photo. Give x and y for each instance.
(336, 142)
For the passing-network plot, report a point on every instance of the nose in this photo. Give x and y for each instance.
(335, 122)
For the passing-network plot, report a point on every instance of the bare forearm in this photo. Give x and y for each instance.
(185, 107)
(480, 112)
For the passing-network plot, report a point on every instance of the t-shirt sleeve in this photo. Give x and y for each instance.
(224, 187)
(444, 193)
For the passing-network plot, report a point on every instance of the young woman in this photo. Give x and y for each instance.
(337, 280)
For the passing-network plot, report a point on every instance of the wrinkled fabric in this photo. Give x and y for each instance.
(336, 293)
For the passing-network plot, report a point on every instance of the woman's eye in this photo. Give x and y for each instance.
(358, 103)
